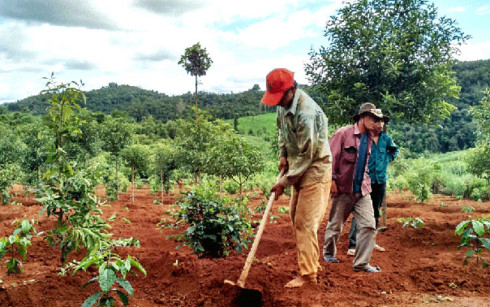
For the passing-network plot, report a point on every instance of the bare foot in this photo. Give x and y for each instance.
(300, 281)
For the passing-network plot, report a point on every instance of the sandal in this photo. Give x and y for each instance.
(369, 269)
(331, 259)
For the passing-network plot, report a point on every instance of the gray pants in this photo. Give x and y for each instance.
(362, 209)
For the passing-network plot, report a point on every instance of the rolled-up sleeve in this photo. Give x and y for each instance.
(280, 141)
(392, 149)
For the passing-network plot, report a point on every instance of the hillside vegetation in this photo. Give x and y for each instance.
(455, 133)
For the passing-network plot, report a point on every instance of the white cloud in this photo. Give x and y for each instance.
(456, 9)
(139, 42)
(475, 51)
(482, 10)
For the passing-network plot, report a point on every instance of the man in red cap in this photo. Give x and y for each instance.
(306, 158)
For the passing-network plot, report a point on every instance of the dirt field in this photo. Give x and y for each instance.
(421, 267)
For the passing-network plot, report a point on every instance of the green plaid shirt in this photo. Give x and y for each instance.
(303, 140)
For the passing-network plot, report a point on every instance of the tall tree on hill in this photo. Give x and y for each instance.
(196, 62)
(396, 54)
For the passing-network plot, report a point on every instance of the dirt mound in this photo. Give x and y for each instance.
(420, 267)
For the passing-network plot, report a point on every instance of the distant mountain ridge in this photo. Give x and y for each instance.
(140, 103)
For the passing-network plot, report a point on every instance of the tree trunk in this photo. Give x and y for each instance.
(132, 180)
(240, 191)
(117, 180)
(196, 98)
(161, 185)
(220, 184)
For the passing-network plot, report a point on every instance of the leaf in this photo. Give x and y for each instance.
(125, 285)
(485, 242)
(89, 302)
(123, 297)
(90, 281)
(138, 266)
(478, 228)
(107, 279)
(461, 226)
(470, 253)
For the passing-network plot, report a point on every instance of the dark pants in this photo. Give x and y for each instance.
(377, 195)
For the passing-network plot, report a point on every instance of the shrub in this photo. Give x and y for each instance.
(411, 221)
(214, 225)
(472, 231)
(17, 243)
(230, 186)
(109, 266)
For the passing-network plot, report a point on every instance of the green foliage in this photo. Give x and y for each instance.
(417, 178)
(232, 157)
(479, 160)
(195, 139)
(394, 54)
(109, 265)
(441, 174)
(137, 156)
(80, 221)
(467, 209)
(17, 244)
(196, 60)
(214, 224)
(411, 221)
(8, 175)
(164, 164)
(474, 231)
(68, 190)
(283, 210)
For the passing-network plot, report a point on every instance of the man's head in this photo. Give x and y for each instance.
(370, 117)
(280, 88)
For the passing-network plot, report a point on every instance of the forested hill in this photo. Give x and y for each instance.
(140, 103)
(457, 132)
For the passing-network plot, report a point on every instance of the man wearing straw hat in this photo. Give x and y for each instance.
(351, 188)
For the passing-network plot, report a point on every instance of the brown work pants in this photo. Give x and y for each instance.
(307, 207)
(362, 209)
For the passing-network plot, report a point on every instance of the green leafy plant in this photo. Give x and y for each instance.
(79, 222)
(214, 225)
(17, 244)
(109, 265)
(472, 231)
(467, 209)
(283, 210)
(410, 221)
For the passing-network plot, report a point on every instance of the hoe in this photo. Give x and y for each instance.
(252, 297)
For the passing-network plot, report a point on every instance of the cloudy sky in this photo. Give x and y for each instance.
(139, 42)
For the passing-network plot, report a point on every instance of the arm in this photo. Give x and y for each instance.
(336, 143)
(391, 149)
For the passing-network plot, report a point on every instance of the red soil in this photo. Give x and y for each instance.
(421, 267)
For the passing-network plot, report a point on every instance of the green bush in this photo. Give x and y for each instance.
(230, 186)
(474, 233)
(110, 187)
(214, 224)
(17, 244)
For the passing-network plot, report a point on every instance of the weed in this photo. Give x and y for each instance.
(472, 232)
(410, 221)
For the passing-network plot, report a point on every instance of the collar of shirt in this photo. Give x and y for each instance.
(356, 129)
(294, 105)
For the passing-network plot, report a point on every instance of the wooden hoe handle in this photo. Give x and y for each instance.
(251, 254)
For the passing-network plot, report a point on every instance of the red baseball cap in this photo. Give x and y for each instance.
(277, 82)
